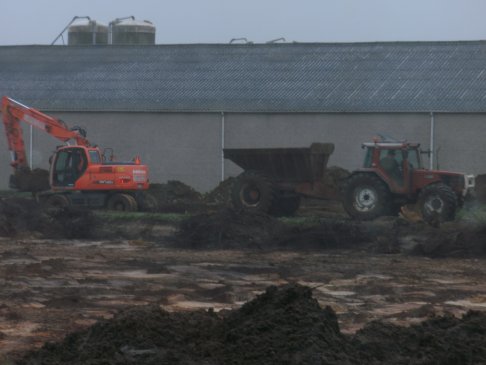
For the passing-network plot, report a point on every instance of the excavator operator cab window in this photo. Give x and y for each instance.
(95, 157)
(70, 164)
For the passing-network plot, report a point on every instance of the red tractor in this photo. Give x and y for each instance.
(392, 176)
(79, 172)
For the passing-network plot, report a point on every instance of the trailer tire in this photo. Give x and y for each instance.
(438, 203)
(253, 192)
(122, 203)
(366, 197)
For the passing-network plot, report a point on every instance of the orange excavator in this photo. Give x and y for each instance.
(79, 172)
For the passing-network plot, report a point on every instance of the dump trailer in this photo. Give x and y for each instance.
(275, 179)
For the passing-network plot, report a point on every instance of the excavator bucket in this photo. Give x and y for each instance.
(30, 180)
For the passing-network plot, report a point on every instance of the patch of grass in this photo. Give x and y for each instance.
(473, 214)
(174, 218)
(14, 194)
(112, 216)
(301, 222)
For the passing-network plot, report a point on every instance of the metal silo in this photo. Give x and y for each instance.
(132, 31)
(87, 32)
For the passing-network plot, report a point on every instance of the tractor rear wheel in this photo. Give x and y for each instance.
(122, 203)
(438, 203)
(366, 197)
(253, 192)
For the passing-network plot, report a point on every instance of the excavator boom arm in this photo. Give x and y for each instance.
(14, 112)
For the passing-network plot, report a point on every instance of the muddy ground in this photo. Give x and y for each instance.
(56, 281)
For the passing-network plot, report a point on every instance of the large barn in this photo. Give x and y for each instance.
(177, 106)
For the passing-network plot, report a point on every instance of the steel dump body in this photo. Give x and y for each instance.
(284, 165)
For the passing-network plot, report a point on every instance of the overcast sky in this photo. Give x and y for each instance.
(218, 21)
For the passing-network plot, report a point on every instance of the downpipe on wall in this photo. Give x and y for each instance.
(222, 146)
(432, 140)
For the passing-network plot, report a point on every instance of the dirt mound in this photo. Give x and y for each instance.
(228, 228)
(30, 180)
(26, 216)
(221, 194)
(71, 222)
(329, 234)
(333, 180)
(284, 325)
(453, 239)
(175, 196)
(441, 340)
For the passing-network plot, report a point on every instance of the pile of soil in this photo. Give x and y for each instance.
(333, 182)
(21, 216)
(221, 194)
(329, 234)
(175, 196)
(284, 325)
(30, 180)
(452, 239)
(439, 340)
(228, 228)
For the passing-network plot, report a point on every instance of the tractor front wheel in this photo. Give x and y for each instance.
(366, 197)
(438, 203)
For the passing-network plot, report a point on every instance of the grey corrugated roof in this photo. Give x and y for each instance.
(292, 77)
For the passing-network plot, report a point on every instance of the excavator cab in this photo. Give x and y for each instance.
(69, 164)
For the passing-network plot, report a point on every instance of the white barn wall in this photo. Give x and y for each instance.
(462, 142)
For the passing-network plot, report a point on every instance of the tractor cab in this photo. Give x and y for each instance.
(394, 162)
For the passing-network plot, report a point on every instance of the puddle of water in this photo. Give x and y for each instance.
(21, 329)
(465, 303)
(194, 305)
(395, 309)
(450, 281)
(366, 277)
